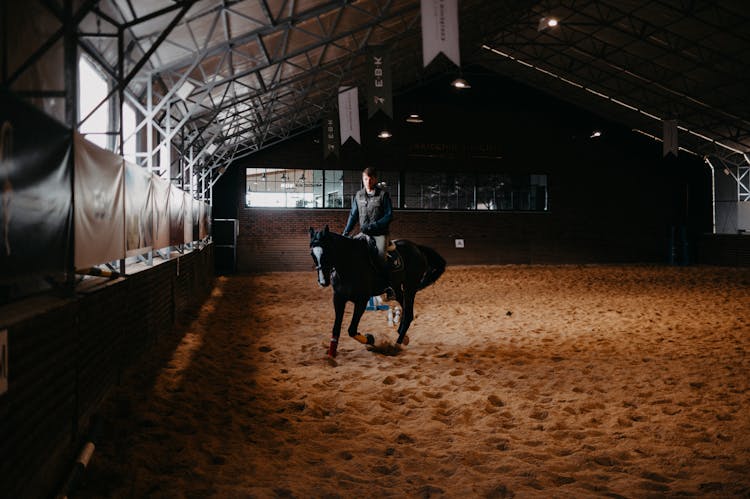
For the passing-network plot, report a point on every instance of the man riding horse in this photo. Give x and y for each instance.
(348, 263)
(372, 208)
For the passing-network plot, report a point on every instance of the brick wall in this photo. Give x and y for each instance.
(64, 354)
(277, 239)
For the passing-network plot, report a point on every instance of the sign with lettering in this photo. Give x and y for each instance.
(379, 82)
(440, 30)
(331, 135)
(349, 114)
(454, 151)
(670, 143)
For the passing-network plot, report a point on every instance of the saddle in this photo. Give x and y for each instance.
(393, 262)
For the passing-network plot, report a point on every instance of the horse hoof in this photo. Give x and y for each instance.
(363, 339)
(331, 361)
(405, 341)
(370, 339)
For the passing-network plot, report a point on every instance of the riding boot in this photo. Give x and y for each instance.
(385, 269)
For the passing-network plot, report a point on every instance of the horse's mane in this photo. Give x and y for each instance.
(349, 240)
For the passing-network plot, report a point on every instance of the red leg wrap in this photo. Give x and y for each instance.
(332, 347)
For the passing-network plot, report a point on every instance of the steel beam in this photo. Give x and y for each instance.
(133, 72)
(71, 22)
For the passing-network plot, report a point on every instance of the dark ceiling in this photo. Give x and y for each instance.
(243, 75)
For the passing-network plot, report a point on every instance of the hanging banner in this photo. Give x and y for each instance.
(209, 220)
(139, 212)
(99, 210)
(196, 219)
(379, 95)
(176, 216)
(161, 188)
(188, 211)
(331, 135)
(440, 30)
(670, 144)
(349, 114)
(35, 192)
(203, 221)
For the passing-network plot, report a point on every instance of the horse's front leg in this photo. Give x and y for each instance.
(339, 304)
(359, 308)
(407, 305)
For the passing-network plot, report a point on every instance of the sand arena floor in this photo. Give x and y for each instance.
(525, 381)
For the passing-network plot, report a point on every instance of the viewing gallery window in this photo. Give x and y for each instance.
(303, 188)
(284, 188)
(497, 192)
(93, 89)
(299, 188)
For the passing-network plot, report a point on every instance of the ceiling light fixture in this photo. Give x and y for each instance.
(414, 118)
(595, 134)
(460, 83)
(547, 22)
(385, 134)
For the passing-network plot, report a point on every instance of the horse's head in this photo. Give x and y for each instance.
(320, 249)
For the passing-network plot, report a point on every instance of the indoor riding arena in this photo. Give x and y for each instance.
(195, 298)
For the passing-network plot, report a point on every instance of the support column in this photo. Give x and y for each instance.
(149, 126)
(121, 101)
(70, 77)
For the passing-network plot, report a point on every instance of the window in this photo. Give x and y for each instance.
(512, 192)
(128, 133)
(284, 188)
(165, 155)
(388, 180)
(93, 89)
(302, 188)
(501, 192)
(439, 191)
(334, 189)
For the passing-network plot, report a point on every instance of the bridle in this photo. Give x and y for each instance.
(318, 255)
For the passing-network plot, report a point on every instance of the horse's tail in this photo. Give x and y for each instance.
(435, 266)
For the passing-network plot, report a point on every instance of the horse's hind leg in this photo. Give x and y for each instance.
(359, 309)
(407, 315)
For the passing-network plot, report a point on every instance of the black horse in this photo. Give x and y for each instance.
(350, 265)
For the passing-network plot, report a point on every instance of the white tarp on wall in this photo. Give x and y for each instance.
(161, 190)
(176, 216)
(188, 210)
(99, 209)
(139, 212)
